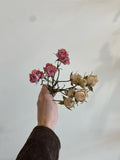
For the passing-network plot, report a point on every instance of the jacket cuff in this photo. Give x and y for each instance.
(39, 131)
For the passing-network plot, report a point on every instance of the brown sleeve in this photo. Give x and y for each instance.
(42, 144)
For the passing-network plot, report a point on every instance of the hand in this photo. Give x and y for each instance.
(47, 109)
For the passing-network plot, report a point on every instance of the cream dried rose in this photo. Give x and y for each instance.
(74, 78)
(92, 80)
(82, 82)
(69, 103)
(71, 93)
(81, 95)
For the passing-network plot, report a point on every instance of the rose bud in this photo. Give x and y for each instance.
(33, 78)
(92, 80)
(75, 78)
(71, 93)
(82, 82)
(63, 56)
(38, 73)
(81, 95)
(69, 103)
(50, 70)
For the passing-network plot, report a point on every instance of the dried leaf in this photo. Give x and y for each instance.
(68, 108)
(90, 88)
(85, 77)
(61, 102)
(64, 97)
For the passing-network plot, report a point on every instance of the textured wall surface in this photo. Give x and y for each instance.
(30, 32)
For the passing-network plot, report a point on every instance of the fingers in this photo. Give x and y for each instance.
(44, 89)
(53, 94)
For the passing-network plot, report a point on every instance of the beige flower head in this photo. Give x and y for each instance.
(81, 95)
(71, 92)
(82, 82)
(69, 103)
(75, 78)
(92, 80)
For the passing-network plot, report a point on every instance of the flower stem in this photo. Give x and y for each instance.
(64, 81)
(52, 80)
(63, 93)
(57, 76)
(67, 88)
(56, 100)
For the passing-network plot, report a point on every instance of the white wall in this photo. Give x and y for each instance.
(30, 31)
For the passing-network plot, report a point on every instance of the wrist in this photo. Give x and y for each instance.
(46, 125)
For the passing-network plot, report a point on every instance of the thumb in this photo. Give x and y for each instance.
(44, 89)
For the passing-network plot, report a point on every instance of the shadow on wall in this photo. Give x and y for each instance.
(109, 72)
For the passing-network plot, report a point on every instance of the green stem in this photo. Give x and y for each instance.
(58, 64)
(48, 80)
(52, 80)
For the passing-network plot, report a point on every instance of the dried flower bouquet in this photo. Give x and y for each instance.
(71, 95)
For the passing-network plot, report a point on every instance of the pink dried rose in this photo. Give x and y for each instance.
(63, 56)
(38, 73)
(50, 70)
(33, 77)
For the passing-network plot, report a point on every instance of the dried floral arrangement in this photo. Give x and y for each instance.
(80, 86)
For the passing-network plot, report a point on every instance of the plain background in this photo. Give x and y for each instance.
(30, 32)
